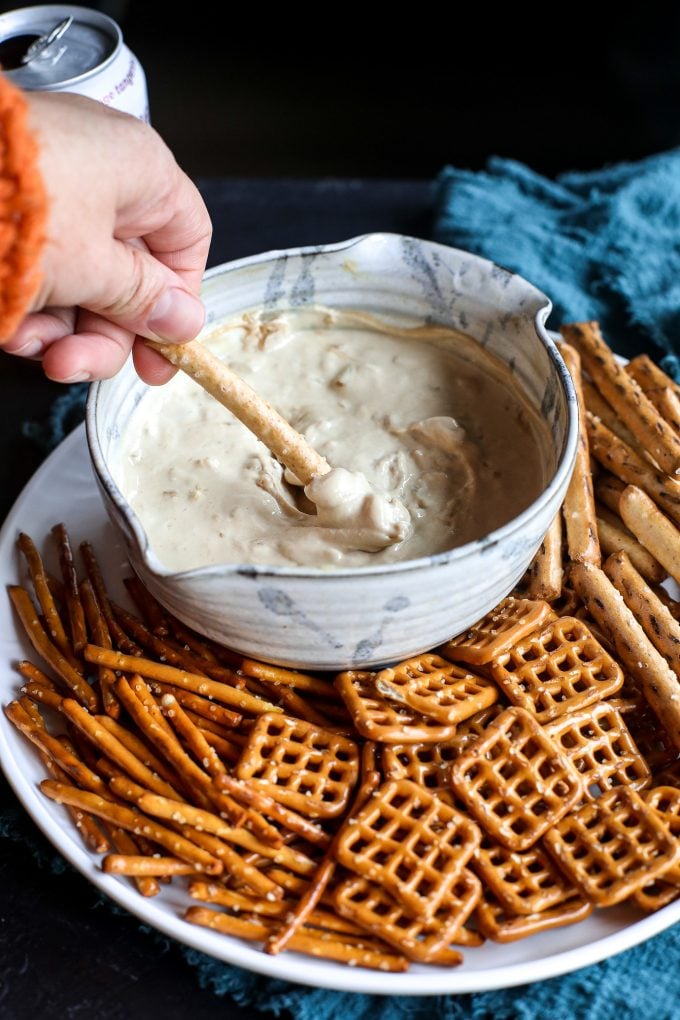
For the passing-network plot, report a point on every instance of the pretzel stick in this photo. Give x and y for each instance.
(599, 408)
(211, 892)
(36, 569)
(608, 489)
(43, 695)
(74, 608)
(167, 652)
(114, 749)
(625, 396)
(124, 843)
(191, 734)
(155, 729)
(650, 377)
(136, 865)
(579, 502)
(288, 699)
(201, 823)
(150, 720)
(118, 635)
(236, 866)
(200, 646)
(289, 677)
(50, 653)
(133, 821)
(615, 537)
(658, 535)
(641, 367)
(214, 376)
(658, 624)
(67, 761)
(223, 717)
(634, 650)
(545, 571)
(90, 833)
(151, 610)
(627, 465)
(224, 748)
(248, 794)
(286, 934)
(137, 747)
(178, 678)
(305, 941)
(100, 634)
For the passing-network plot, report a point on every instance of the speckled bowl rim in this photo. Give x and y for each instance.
(564, 465)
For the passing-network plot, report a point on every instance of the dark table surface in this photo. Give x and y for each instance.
(65, 953)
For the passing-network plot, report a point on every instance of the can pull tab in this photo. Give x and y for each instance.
(45, 41)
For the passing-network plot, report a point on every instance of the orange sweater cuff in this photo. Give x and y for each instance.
(23, 211)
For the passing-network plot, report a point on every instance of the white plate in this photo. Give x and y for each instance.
(63, 490)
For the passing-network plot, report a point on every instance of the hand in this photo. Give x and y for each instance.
(127, 242)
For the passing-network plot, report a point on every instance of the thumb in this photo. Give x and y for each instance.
(143, 295)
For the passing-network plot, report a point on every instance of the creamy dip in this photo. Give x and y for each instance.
(422, 419)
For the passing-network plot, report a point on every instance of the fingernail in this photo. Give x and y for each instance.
(80, 376)
(177, 316)
(30, 349)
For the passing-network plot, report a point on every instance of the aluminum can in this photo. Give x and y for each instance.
(63, 48)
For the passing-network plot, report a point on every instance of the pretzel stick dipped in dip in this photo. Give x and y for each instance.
(432, 442)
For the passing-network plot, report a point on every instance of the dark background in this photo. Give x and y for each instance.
(251, 90)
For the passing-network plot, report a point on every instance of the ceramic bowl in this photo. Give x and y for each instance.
(357, 618)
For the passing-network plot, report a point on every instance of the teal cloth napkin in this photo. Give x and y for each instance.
(602, 245)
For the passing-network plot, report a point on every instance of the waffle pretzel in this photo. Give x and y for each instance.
(436, 688)
(558, 669)
(427, 765)
(377, 719)
(509, 622)
(500, 925)
(524, 882)
(515, 781)
(369, 906)
(410, 843)
(307, 768)
(665, 800)
(600, 745)
(612, 847)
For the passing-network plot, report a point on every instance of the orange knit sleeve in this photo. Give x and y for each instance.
(23, 210)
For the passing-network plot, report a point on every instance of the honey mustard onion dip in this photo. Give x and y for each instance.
(431, 441)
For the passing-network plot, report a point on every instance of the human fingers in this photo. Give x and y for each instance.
(182, 241)
(138, 292)
(94, 349)
(151, 366)
(39, 330)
